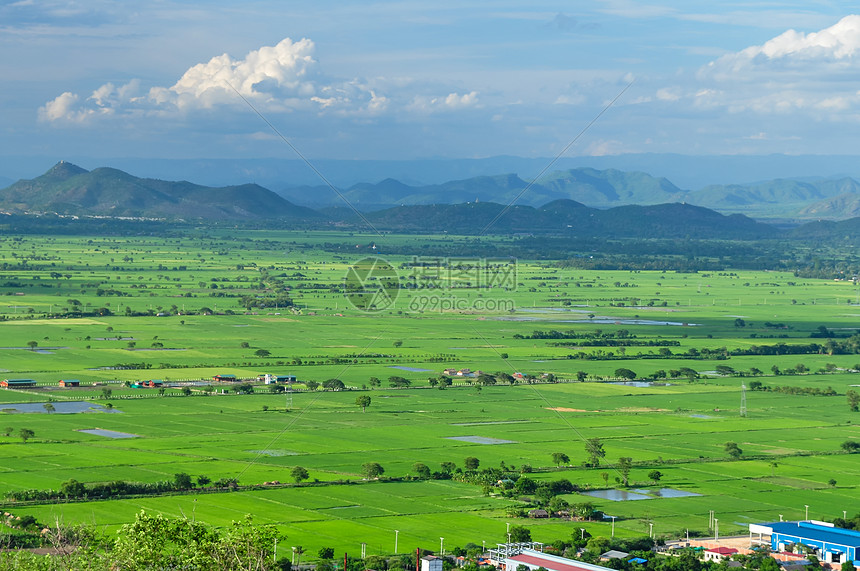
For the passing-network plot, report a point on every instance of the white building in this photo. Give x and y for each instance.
(431, 563)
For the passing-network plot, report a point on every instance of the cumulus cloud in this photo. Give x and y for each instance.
(826, 51)
(277, 79)
(811, 74)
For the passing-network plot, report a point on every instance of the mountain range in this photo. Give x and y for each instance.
(783, 199)
(576, 202)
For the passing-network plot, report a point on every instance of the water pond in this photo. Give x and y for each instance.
(109, 433)
(481, 440)
(638, 494)
(59, 407)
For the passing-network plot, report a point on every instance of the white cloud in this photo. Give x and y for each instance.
(62, 108)
(805, 75)
(668, 94)
(572, 99)
(451, 102)
(826, 51)
(275, 79)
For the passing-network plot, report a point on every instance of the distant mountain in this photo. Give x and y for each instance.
(69, 189)
(610, 187)
(839, 207)
(593, 187)
(686, 171)
(779, 197)
(571, 218)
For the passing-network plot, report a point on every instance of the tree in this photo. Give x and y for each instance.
(398, 343)
(597, 545)
(333, 385)
(32, 345)
(73, 489)
(422, 469)
(203, 480)
(107, 393)
(9, 430)
(182, 481)
(299, 474)
(326, 553)
(625, 463)
(850, 446)
(363, 401)
(448, 467)
(312, 385)
(298, 550)
(244, 389)
(49, 408)
(733, 450)
(581, 376)
(372, 469)
(559, 458)
(595, 451)
(395, 381)
(186, 391)
(557, 504)
(525, 486)
(655, 475)
(584, 510)
(773, 466)
(262, 353)
(740, 322)
(471, 463)
(26, 434)
(623, 373)
(853, 399)
(520, 534)
(831, 482)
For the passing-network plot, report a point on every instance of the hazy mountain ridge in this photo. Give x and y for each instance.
(778, 198)
(69, 189)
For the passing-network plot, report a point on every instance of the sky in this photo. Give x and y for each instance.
(427, 79)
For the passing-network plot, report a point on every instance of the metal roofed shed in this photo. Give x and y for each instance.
(17, 383)
(829, 543)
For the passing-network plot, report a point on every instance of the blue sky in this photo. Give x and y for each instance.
(421, 79)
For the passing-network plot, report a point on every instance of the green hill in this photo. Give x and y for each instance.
(567, 217)
(71, 190)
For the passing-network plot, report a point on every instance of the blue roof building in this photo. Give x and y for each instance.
(828, 543)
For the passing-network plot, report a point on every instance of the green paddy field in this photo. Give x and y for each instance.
(54, 290)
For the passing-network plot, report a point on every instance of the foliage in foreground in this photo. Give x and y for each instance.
(155, 542)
